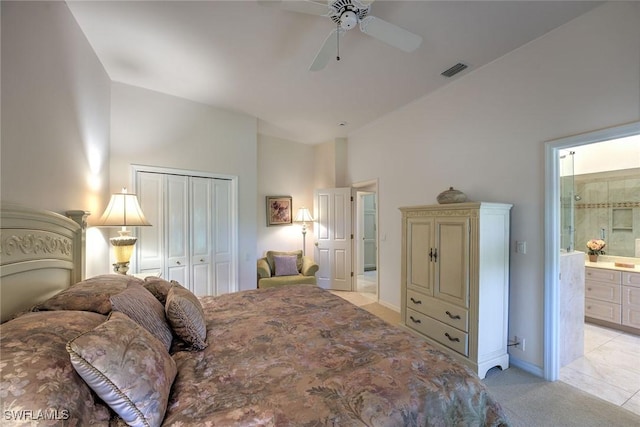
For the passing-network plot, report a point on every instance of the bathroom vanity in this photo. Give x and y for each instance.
(612, 295)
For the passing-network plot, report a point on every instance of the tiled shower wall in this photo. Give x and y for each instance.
(609, 201)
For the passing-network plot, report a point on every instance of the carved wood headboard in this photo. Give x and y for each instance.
(41, 253)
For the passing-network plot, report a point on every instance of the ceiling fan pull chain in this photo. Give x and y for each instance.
(338, 42)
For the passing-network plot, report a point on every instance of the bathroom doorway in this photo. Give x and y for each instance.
(366, 239)
(556, 237)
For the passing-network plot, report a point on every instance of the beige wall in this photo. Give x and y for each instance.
(285, 168)
(485, 132)
(331, 164)
(55, 116)
(152, 129)
(63, 121)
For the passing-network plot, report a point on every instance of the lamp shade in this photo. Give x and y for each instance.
(123, 210)
(303, 215)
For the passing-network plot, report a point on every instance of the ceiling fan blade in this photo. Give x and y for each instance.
(320, 8)
(328, 49)
(390, 33)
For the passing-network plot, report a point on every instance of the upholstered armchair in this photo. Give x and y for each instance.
(279, 268)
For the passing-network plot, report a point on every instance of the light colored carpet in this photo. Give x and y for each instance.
(530, 401)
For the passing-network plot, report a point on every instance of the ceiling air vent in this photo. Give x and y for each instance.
(454, 70)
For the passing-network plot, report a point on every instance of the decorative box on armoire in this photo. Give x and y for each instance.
(455, 279)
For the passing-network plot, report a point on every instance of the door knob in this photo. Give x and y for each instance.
(316, 243)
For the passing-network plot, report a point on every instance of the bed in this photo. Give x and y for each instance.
(291, 356)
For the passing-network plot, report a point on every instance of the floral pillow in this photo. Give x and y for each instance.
(37, 374)
(286, 265)
(186, 316)
(158, 287)
(127, 367)
(141, 306)
(92, 294)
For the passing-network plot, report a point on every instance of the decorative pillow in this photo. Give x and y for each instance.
(127, 367)
(37, 374)
(186, 316)
(272, 264)
(141, 306)
(158, 287)
(285, 265)
(91, 294)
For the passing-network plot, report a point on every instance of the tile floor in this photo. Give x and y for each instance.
(368, 302)
(610, 367)
(367, 282)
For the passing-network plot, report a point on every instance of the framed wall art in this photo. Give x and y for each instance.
(279, 210)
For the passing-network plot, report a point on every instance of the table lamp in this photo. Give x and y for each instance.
(123, 210)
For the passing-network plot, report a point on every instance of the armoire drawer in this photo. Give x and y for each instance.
(602, 310)
(608, 292)
(445, 312)
(438, 331)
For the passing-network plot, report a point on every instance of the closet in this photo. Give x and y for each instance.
(192, 234)
(455, 279)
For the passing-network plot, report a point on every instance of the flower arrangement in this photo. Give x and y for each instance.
(596, 246)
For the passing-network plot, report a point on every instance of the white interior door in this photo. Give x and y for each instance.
(334, 238)
(150, 248)
(194, 235)
(224, 226)
(201, 235)
(177, 231)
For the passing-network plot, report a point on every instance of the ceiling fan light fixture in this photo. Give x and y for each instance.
(348, 20)
(346, 14)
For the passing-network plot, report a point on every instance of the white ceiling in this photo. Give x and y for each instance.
(252, 58)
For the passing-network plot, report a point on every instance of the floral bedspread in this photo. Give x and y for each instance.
(300, 356)
(38, 385)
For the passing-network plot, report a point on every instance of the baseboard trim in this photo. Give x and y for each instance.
(389, 306)
(526, 366)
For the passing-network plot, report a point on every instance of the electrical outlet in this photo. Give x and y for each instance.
(519, 343)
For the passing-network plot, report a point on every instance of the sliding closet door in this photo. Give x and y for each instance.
(150, 248)
(193, 233)
(202, 221)
(177, 229)
(223, 264)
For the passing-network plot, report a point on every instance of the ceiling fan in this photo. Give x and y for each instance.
(346, 14)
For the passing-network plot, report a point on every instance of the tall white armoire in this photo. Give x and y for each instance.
(455, 279)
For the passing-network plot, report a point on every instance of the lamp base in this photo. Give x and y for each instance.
(121, 267)
(122, 250)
